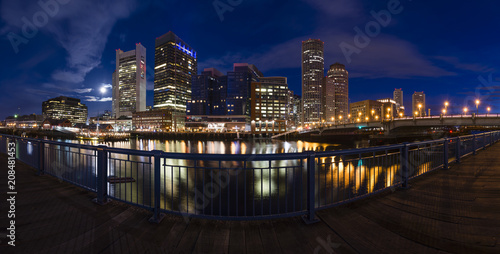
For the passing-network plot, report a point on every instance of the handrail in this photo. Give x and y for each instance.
(243, 186)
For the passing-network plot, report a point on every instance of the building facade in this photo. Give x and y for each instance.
(398, 98)
(129, 82)
(155, 120)
(175, 66)
(418, 104)
(206, 96)
(312, 80)
(363, 111)
(239, 82)
(271, 105)
(336, 93)
(65, 108)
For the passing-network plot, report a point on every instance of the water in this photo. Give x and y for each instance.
(207, 186)
(226, 147)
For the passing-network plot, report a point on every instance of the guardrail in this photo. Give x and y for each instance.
(241, 187)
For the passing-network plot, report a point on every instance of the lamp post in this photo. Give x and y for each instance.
(446, 106)
(465, 110)
(420, 110)
(488, 110)
(477, 106)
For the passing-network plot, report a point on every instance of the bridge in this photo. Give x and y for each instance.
(388, 125)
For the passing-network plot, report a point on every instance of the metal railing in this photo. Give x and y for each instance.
(241, 187)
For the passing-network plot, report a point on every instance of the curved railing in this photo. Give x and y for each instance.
(241, 187)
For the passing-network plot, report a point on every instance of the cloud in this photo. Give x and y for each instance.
(84, 90)
(337, 8)
(80, 27)
(455, 62)
(107, 85)
(97, 99)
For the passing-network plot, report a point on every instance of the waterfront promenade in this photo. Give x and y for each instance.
(446, 211)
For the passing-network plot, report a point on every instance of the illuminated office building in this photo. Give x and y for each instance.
(272, 105)
(398, 97)
(418, 99)
(239, 82)
(208, 96)
(129, 82)
(336, 93)
(175, 66)
(312, 80)
(63, 107)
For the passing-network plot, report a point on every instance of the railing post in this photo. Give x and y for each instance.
(458, 155)
(445, 153)
(484, 141)
(102, 176)
(41, 157)
(474, 144)
(310, 217)
(157, 216)
(404, 166)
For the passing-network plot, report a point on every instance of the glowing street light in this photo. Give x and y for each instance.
(420, 109)
(366, 118)
(444, 111)
(477, 106)
(488, 109)
(465, 110)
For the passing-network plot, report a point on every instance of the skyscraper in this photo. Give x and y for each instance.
(239, 82)
(312, 79)
(336, 93)
(206, 95)
(175, 66)
(398, 96)
(418, 104)
(129, 82)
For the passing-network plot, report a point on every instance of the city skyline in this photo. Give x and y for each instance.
(52, 64)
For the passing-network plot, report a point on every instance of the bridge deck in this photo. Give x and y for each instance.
(448, 211)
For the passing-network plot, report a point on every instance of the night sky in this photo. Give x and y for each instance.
(448, 49)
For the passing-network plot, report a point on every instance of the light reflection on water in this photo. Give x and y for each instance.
(263, 186)
(226, 147)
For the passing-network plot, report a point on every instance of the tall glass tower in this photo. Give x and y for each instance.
(175, 66)
(336, 94)
(129, 82)
(312, 80)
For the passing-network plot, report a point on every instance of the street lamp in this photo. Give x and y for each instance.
(420, 109)
(465, 110)
(444, 111)
(446, 106)
(488, 109)
(477, 106)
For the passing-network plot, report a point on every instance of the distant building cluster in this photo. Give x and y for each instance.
(242, 99)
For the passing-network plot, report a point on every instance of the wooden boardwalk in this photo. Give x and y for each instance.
(447, 211)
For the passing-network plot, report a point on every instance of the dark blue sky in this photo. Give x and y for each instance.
(448, 49)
